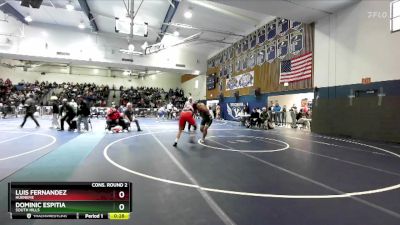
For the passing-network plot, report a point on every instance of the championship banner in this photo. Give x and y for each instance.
(283, 26)
(271, 51)
(223, 57)
(230, 69)
(295, 25)
(283, 47)
(251, 59)
(261, 36)
(243, 62)
(271, 30)
(237, 65)
(238, 47)
(297, 41)
(231, 52)
(209, 64)
(245, 44)
(218, 60)
(261, 56)
(234, 109)
(240, 81)
(253, 41)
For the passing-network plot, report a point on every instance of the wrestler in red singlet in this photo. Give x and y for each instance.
(186, 116)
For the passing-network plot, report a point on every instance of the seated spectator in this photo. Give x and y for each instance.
(264, 116)
(255, 118)
(303, 119)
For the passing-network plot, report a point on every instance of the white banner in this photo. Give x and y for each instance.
(240, 81)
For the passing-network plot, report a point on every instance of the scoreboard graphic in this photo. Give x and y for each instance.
(70, 200)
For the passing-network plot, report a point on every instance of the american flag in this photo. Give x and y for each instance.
(295, 69)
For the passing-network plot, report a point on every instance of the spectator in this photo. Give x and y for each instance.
(277, 113)
(69, 115)
(264, 116)
(293, 113)
(170, 107)
(114, 119)
(128, 115)
(30, 110)
(255, 118)
(56, 111)
(218, 112)
(83, 113)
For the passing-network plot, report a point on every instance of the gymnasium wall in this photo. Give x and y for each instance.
(350, 45)
(198, 92)
(163, 80)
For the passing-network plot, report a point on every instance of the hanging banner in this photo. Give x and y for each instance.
(238, 48)
(296, 41)
(231, 52)
(295, 25)
(261, 56)
(218, 60)
(209, 63)
(271, 51)
(237, 65)
(251, 59)
(230, 69)
(253, 40)
(271, 30)
(240, 81)
(224, 56)
(283, 26)
(245, 44)
(243, 62)
(261, 36)
(283, 47)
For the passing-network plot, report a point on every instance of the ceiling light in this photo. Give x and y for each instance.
(145, 45)
(196, 72)
(188, 14)
(28, 18)
(69, 6)
(158, 71)
(96, 71)
(126, 73)
(81, 25)
(131, 47)
(176, 33)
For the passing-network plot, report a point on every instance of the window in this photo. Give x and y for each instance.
(395, 16)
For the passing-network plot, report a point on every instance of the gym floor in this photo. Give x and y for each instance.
(239, 176)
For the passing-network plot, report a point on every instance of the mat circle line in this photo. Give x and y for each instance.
(238, 193)
(287, 146)
(31, 151)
